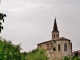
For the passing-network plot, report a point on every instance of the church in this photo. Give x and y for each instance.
(57, 47)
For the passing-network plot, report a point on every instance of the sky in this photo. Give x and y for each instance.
(30, 22)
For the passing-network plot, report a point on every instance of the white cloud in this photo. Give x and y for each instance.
(31, 21)
(20, 7)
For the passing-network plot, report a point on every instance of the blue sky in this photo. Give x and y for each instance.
(31, 21)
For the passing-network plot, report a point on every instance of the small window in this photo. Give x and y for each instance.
(59, 47)
(54, 36)
(65, 47)
(54, 48)
(71, 45)
(57, 35)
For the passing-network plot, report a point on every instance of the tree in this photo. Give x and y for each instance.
(36, 55)
(1, 19)
(76, 54)
(71, 58)
(9, 51)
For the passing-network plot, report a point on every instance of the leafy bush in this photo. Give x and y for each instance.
(36, 55)
(70, 58)
(9, 51)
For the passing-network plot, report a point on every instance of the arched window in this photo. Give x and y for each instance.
(58, 47)
(65, 47)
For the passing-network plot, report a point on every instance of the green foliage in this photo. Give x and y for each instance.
(36, 55)
(23, 56)
(70, 58)
(76, 54)
(9, 51)
(1, 19)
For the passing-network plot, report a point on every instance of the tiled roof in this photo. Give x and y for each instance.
(58, 39)
(45, 42)
(62, 38)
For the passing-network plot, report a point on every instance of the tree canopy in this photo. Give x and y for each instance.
(36, 54)
(9, 51)
(1, 19)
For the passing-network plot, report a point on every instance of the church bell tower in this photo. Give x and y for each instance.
(55, 32)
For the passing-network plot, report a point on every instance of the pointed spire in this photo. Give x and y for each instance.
(55, 26)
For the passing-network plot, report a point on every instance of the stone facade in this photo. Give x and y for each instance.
(58, 47)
